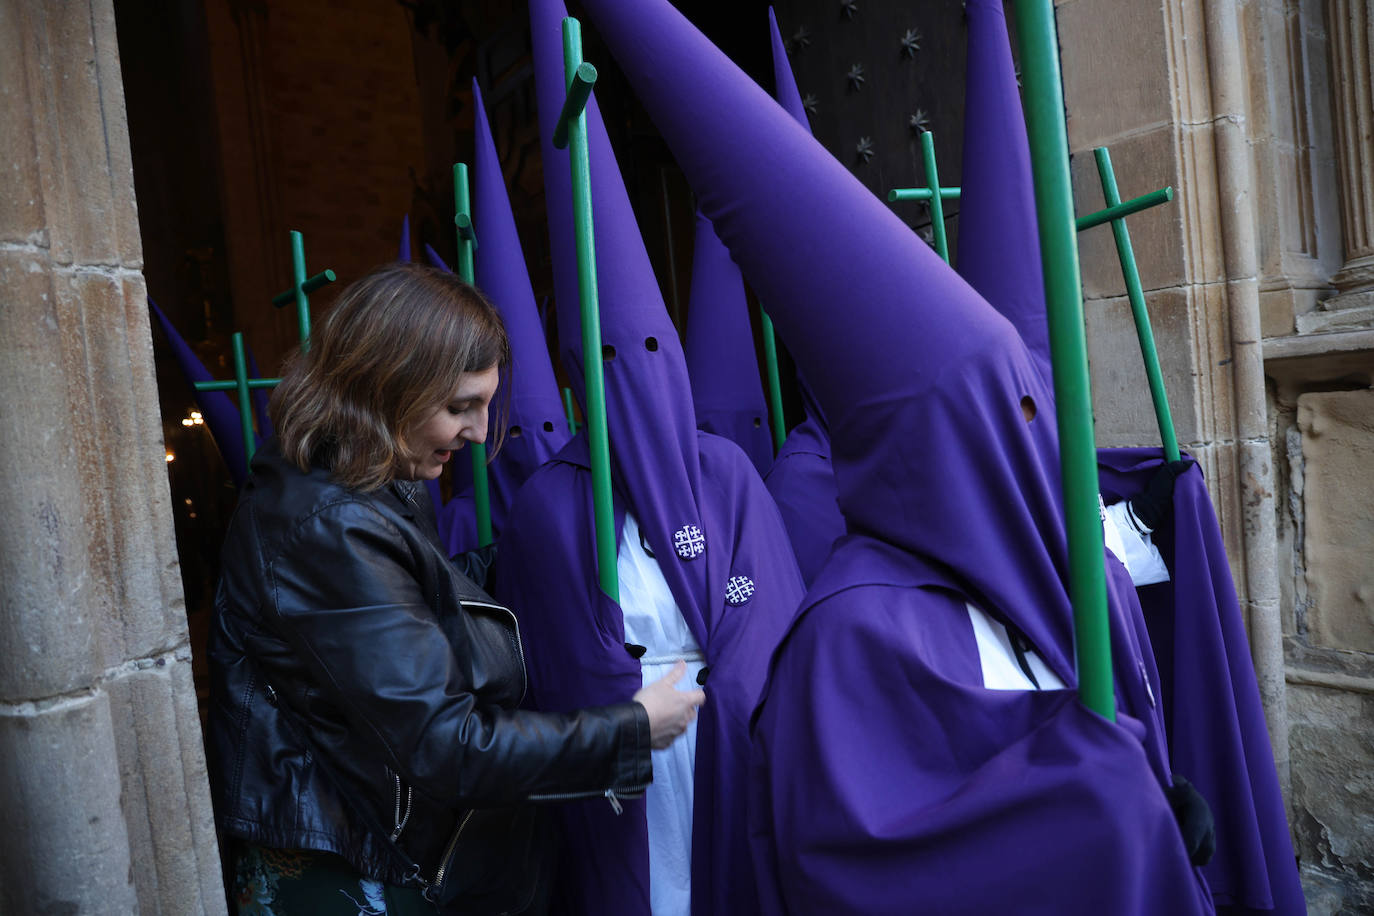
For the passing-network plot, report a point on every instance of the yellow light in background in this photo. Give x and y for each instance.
(188, 422)
(171, 457)
(195, 415)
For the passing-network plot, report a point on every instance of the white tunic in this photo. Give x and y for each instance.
(652, 620)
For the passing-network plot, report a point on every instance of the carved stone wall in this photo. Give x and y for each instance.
(101, 768)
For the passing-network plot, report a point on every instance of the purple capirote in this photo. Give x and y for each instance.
(719, 349)
(218, 410)
(999, 243)
(801, 477)
(704, 514)
(889, 778)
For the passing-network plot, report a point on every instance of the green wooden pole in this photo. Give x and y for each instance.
(1044, 101)
(1125, 209)
(568, 409)
(598, 441)
(245, 403)
(897, 194)
(1136, 296)
(937, 207)
(467, 241)
(770, 359)
(298, 282)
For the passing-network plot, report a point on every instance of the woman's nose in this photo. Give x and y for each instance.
(476, 432)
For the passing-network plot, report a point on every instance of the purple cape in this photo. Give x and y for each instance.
(219, 411)
(574, 646)
(1217, 733)
(923, 385)
(719, 349)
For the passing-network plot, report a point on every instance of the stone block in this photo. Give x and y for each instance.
(1143, 163)
(48, 592)
(123, 226)
(1115, 69)
(65, 847)
(71, 131)
(1277, 310)
(1338, 502)
(166, 802)
(1333, 781)
(21, 203)
(119, 489)
(1122, 406)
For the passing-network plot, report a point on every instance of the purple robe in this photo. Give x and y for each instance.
(922, 384)
(574, 647)
(704, 513)
(1217, 733)
(719, 349)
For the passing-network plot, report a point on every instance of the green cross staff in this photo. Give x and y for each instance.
(467, 246)
(572, 125)
(932, 193)
(242, 384)
(770, 359)
(1049, 148)
(1115, 213)
(301, 287)
(568, 409)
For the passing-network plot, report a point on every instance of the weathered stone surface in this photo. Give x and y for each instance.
(166, 799)
(1121, 395)
(65, 848)
(21, 201)
(1333, 791)
(48, 592)
(1116, 73)
(1142, 163)
(1338, 452)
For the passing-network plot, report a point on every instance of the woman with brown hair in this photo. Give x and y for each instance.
(366, 747)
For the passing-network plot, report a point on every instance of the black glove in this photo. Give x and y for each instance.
(1194, 818)
(1153, 506)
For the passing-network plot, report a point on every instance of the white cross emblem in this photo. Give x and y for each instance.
(739, 590)
(689, 542)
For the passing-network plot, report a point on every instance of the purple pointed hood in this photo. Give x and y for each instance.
(220, 413)
(784, 82)
(651, 422)
(403, 251)
(537, 427)
(889, 337)
(726, 388)
(999, 245)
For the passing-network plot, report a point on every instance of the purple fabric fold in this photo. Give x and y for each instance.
(1218, 738)
(220, 412)
(923, 385)
(726, 389)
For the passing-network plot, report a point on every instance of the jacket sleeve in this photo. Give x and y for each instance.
(348, 603)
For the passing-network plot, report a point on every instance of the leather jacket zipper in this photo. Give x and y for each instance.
(519, 646)
(432, 889)
(611, 795)
(397, 819)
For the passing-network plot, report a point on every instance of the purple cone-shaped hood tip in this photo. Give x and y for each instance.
(999, 244)
(726, 388)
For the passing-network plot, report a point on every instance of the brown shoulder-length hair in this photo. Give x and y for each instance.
(388, 354)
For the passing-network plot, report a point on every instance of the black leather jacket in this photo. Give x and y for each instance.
(363, 687)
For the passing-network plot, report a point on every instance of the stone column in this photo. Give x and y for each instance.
(102, 768)
(1350, 25)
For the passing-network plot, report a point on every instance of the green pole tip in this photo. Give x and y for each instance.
(579, 91)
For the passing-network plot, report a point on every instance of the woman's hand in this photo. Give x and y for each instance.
(670, 710)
